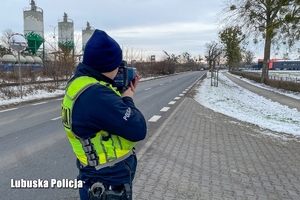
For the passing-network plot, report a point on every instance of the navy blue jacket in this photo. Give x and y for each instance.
(99, 108)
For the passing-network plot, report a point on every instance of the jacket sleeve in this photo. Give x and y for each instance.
(99, 108)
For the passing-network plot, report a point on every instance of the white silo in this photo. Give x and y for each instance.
(9, 59)
(86, 34)
(29, 60)
(37, 60)
(66, 34)
(34, 26)
(22, 59)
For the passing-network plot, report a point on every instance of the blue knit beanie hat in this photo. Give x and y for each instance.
(102, 53)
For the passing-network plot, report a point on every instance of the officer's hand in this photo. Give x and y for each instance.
(134, 83)
(130, 91)
(127, 93)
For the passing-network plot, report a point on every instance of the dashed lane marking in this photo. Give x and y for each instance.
(39, 103)
(8, 110)
(56, 118)
(146, 146)
(181, 95)
(172, 102)
(147, 89)
(154, 118)
(176, 98)
(165, 109)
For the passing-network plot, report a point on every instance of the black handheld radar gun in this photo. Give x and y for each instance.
(124, 76)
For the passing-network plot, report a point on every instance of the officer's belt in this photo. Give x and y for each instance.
(112, 163)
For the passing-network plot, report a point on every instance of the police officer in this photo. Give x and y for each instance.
(102, 125)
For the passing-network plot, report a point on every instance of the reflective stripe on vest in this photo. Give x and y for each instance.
(103, 149)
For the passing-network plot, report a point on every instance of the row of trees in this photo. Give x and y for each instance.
(185, 60)
(60, 65)
(230, 47)
(273, 22)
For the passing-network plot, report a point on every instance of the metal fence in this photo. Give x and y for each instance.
(286, 77)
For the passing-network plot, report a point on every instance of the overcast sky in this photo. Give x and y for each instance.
(148, 26)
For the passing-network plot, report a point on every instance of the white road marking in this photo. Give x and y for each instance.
(148, 89)
(162, 84)
(165, 109)
(181, 95)
(146, 146)
(59, 99)
(176, 98)
(172, 102)
(8, 110)
(154, 118)
(39, 103)
(56, 118)
(184, 92)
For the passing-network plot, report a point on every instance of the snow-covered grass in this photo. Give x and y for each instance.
(285, 75)
(280, 73)
(35, 94)
(264, 86)
(237, 102)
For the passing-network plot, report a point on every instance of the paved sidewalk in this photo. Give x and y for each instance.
(199, 154)
(274, 96)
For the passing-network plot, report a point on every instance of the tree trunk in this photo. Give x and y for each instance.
(267, 52)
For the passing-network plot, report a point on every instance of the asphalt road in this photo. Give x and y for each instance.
(33, 145)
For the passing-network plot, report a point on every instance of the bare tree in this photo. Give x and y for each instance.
(249, 56)
(200, 58)
(171, 60)
(259, 18)
(213, 55)
(4, 37)
(130, 54)
(4, 50)
(186, 57)
(213, 52)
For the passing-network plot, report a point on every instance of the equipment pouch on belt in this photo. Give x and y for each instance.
(98, 192)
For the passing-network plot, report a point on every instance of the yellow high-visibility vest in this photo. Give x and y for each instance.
(103, 149)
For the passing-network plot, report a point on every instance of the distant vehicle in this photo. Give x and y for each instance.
(254, 67)
(286, 65)
(201, 69)
(280, 64)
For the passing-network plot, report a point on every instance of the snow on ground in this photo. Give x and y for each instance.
(39, 94)
(264, 86)
(237, 102)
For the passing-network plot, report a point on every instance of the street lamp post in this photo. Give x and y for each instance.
(54, 28)
(19, 43)
(54, 31)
